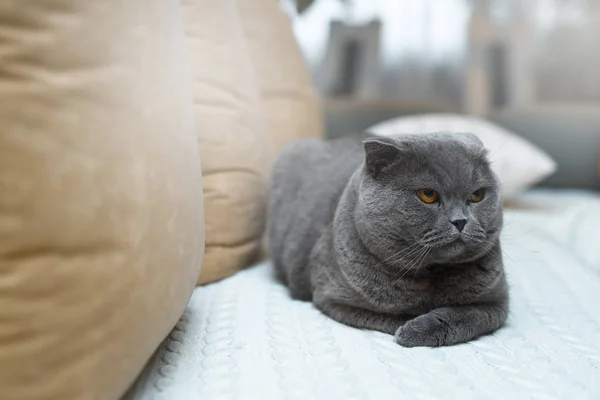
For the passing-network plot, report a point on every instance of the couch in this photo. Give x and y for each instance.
(136, 140)
(135, 145)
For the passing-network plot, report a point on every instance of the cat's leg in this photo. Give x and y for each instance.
(300, 288)
(451, 325)
(364, 319)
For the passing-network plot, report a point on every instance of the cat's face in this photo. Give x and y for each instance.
(431, 195)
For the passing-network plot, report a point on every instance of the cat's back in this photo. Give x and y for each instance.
(318, 164)
(308, 179)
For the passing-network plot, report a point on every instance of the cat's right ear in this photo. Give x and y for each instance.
(380, 152)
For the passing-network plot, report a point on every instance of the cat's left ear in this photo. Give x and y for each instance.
(380, 152)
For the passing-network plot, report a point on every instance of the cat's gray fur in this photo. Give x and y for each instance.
(348, 231)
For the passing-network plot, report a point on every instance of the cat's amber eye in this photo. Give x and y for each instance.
(428, 195)
(477, 196)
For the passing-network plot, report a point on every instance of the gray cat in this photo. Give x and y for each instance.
(398, 235)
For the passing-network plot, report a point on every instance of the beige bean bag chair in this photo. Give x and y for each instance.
(108, 111)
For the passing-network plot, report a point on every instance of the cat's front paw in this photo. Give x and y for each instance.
(428, 330)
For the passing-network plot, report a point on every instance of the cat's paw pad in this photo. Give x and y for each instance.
(429, 330)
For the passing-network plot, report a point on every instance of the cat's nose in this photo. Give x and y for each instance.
(459, 223)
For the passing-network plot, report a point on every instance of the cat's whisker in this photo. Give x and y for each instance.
(412, 246)
(404, 268)
(501, 254)
(513, 219)
(413, 251)
(518, 236)
(418, 262)
(407, 264)
(400, 255)
(407, 270)
(394, 258)
(395, 277)
(413, 262)
(509, 257)
(475, 238)
(421, 263)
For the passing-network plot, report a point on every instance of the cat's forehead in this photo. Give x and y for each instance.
(464, 138)
(443, 142)
(451, 165)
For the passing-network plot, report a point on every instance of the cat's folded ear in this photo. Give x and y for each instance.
(469, 139)
(380, 152)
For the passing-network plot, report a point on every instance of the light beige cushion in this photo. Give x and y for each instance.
(518, 163)
(232, 135)
(287, 93)
(100, 193)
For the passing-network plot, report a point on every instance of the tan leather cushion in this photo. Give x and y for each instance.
(286, 89)
(232, 136)
(100, 193)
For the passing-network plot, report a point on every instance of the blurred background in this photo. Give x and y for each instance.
(530, 65)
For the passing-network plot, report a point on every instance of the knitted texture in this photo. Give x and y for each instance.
(244, 338)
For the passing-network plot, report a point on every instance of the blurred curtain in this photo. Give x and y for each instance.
(474, 54)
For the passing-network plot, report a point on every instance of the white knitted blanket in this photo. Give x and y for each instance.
(243, 338)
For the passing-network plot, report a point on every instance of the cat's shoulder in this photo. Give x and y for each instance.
(299, 150)
(304, 145)
(314, 150)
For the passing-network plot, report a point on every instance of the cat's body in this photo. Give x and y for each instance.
(348, 231)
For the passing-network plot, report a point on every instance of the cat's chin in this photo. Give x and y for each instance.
(451, 252)
(454, 248)
(459, 251)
